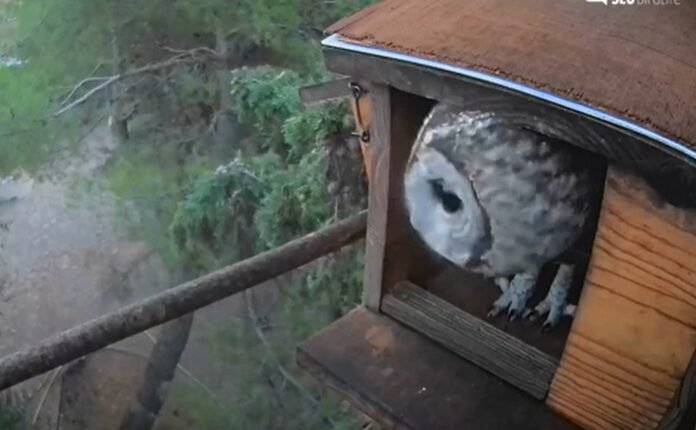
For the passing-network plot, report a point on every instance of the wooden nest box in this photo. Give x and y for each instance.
(619, 81)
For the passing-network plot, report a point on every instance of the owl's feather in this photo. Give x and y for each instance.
(524, 198)
(495, 198)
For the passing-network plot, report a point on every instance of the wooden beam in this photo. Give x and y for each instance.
(391, 247)
(635, 328)
(403, 380)
(325, 91)
(177, 301)
(614, 143)
(486, 346)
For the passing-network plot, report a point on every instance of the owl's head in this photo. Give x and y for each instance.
(442, 205)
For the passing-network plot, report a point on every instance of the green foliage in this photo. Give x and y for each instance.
(304, 130)
(295, 201)
(266, 99)
(332, 288)
(64, 41)
(279, 194)
(149, 181)
(258, 202)
(212, 214)
(196, 217)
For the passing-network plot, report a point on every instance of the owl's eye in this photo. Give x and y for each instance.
(450, 202)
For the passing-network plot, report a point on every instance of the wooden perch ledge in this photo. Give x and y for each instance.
(178, 301)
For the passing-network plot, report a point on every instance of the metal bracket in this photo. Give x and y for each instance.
(358, 91)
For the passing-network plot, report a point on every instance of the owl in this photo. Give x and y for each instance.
(499, 200)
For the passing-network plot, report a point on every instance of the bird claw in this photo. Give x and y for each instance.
(514, 298)
(554, 305)
(547, 327)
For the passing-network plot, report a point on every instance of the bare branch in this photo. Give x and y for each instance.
(195, 55)
(52, 379)
(88, 79)
(88, 94)
(191, 52)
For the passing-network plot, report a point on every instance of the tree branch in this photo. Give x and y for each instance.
(192, 56)
(253, 316)
(88, 79)
(177, 301)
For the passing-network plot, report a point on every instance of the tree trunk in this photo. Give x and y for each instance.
(227, 127)
(160, 371)
(118, 120)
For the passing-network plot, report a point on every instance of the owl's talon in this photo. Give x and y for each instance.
(547, 327)
(514, 298)
(554, 305)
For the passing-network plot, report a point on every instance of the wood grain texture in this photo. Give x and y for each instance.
(481, 343)
(637, 62)
(635, 329)
(325, 91)
(362, 114)
(474, 294)
(403, 380)
(392, 246)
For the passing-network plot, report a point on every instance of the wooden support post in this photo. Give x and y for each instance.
(635, 329)
(176, 302)
(391, 248)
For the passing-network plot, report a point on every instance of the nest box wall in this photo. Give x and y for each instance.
(635, 329)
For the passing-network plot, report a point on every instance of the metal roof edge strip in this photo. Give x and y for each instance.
(334, 41)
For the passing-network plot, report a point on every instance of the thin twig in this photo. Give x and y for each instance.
(89, 78)
(185, 58)
(55, 373)
(202, 49)
(182, 369)
(249, 299)
(88, 94)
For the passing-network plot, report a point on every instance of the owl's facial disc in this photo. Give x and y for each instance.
(442, 206)
(450, 202)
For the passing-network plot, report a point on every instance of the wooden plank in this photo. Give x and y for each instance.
(325, 91)
(635, 329)
(614, 143)
(405, 381)
(391, 244)
(501, 354)
(378, 195)
(474, 295)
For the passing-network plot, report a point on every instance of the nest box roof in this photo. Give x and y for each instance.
(633, 65)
